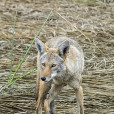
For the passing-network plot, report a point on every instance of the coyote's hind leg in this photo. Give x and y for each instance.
(76, 85)
(79, 96)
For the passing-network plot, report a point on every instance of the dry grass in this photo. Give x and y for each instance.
(95, 21)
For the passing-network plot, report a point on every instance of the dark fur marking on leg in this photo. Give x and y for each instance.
(36, 98)
(80, 110)
(52, 111)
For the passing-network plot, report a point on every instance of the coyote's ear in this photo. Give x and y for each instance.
(64, 48)
(41, 46)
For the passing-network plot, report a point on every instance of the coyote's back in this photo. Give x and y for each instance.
(74, 48)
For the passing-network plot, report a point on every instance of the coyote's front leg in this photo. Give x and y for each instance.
(53, 93)
(43, 90)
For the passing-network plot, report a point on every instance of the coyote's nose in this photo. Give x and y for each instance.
(43, 78)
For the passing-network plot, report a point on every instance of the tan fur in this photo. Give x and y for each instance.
(71, 66)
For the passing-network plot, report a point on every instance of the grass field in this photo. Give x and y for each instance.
(90, 23)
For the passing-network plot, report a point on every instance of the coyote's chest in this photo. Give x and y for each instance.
(63, 79)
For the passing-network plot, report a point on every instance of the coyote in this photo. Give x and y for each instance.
(60, 62)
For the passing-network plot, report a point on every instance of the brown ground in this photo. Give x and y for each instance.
(95, 20)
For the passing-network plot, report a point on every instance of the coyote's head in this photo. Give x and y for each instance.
(52, 59)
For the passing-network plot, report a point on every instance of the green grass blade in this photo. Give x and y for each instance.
(31, 45)
(21, 77)
(10, 83)
(12, 46)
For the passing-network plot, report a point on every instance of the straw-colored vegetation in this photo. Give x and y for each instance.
(90, 23)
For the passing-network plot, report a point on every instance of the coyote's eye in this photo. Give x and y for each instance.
(53, 65)
(43, 64)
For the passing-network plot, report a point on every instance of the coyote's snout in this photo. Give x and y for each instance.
(60, 61)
